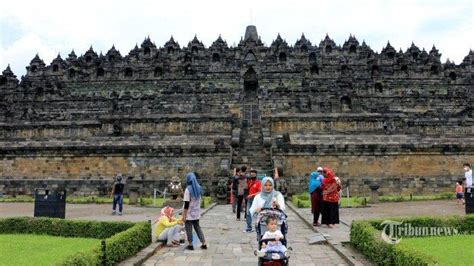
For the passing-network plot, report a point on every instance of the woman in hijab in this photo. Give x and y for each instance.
(192, 211)
(268, 197)
(315, 191)
(168, 228)
(331, 188)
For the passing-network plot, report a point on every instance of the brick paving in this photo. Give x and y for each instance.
(228, 245)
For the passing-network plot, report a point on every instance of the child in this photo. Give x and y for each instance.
(275, 246)
(459, 192)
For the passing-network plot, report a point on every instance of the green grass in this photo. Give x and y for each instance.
(303, 201)
(401, 198)
(448, 250)
(143, 201)
(41, 249)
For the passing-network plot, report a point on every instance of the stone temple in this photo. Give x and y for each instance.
(399, 119)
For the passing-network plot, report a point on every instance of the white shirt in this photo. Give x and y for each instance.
(270, 235)
(468, 176)
(258, 202)
(194, 211)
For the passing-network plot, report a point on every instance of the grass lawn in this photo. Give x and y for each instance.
(40, 249)
(448, 250)
(303, 201)
(142, 201)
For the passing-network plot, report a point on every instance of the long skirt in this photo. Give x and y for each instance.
(330, 213)
(316, 204)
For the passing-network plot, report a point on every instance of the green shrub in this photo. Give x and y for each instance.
(60, 227)
(92, 257)
(123, 239)
(127, 243)
(205, 202)
(366, 239)
(365, 236)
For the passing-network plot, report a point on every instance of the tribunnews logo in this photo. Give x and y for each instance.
(393, 231)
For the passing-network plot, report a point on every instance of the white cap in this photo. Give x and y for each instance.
(319, 169)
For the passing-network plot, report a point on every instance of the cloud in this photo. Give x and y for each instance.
(49, 27)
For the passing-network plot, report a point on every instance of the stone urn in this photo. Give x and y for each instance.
(175, 191)
(374, 194)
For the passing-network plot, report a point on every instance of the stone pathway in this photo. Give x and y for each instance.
(99, 212)
(228, 245)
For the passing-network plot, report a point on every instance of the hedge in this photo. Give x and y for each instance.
(60, 227)
(122, 239)
(365, 236)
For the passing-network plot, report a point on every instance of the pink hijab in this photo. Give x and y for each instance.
(166, 211)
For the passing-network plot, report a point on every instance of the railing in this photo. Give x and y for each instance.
(250, 114)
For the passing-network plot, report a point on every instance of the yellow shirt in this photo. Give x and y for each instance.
(164, 223)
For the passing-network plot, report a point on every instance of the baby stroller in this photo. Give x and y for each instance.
(261, 228)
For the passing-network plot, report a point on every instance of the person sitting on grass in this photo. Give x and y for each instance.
(168, 227)
(273, 246)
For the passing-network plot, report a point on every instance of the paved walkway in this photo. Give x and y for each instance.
(100, 212)
(435, 208)
(228, 245)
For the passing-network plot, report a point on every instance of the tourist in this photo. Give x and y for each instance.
(316, 193)
(242, 190)
(254, 186)
(459, 192)
(233, 190)
(192, 211)
(273, 247)
(168, 227)
(117, 194)
(268, 197)
(468, 174)
(331, 188)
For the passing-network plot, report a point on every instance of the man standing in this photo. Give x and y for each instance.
(241, 190)
(468, 174)
(117, 194)
(233, 189)
(254, 187)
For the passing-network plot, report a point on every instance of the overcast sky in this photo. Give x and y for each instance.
(52, 27)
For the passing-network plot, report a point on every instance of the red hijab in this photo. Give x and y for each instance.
(330, 186)
(329, 176)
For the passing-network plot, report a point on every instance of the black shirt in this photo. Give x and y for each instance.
(118, 188)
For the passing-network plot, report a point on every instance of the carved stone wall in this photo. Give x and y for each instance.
(161, 111)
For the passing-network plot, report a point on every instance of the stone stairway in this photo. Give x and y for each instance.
(251, 151)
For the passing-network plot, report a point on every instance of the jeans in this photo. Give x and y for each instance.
(118, 198)
(249, 215)
(188, 226)
(170, 234)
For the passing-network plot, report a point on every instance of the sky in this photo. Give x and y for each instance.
(50, 27)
